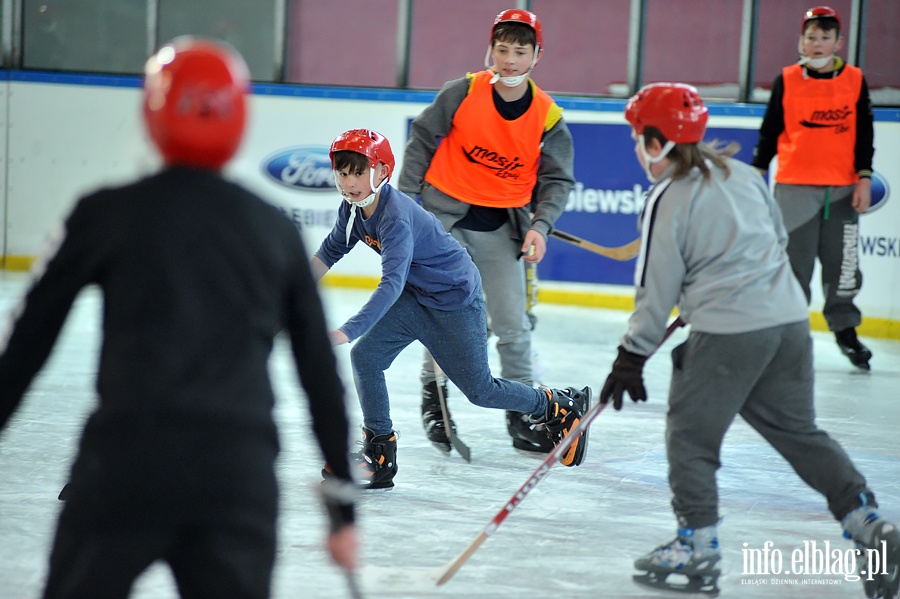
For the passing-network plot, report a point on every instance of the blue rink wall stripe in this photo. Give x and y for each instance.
(388, 95)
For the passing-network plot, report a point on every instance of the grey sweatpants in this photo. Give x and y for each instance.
(766, 376)
(830, 234)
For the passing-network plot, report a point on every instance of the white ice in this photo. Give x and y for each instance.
(574, 536)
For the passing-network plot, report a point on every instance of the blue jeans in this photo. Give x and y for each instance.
(495, 254)
(458, 341)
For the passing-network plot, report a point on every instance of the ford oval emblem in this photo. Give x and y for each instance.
(881, 191)
(305, 168)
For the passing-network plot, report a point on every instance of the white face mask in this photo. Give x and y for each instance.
(367, 201)
(816, 63)
(510, 81)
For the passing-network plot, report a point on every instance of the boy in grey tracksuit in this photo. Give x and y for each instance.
(492, 158)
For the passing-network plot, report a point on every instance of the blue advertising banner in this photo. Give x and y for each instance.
(606, 202)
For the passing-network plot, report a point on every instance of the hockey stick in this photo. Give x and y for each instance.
(352, 584)
(535, 478)
(622, 253)
(455, 441)
(349, 573)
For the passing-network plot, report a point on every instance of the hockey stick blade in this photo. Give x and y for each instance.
(622, 253)
(352, 584)
(349, 573)
(455, 441)
(461, 447)
(542, 470)
(379, 580)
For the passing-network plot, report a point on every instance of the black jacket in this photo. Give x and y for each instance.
(198, 275)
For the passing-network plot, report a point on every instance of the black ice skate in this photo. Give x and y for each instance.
(527, 435)
(690, 560)
(433, 417)
(565, 409)
(851, 347)
(375, 464)
(873, 533)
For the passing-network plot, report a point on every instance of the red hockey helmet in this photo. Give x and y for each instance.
(675, 109)
(820, 12)
(371, 144)
(520, 15)
(194, 101)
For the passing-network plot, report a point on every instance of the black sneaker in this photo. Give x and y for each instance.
(433, 417)
(858, 353)
(527, 435)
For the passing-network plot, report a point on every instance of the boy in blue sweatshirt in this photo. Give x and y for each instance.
(430, 291)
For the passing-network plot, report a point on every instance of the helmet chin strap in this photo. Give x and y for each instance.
(509, 81)
(816, 63)
(366, 201)
(648, 159)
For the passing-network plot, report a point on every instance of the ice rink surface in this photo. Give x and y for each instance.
(574, 536)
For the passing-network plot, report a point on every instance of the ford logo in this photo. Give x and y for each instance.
(306, 168)
(880, 191)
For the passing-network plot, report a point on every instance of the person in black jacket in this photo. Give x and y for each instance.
(819, 124)
(198, 276)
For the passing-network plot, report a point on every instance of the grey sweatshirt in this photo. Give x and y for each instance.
(716, 250)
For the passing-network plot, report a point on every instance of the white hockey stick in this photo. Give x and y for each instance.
(534, 479)
(422, 579)
(352, 584)
(349, 573)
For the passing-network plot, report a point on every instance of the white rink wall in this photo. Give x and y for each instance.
(65, 135)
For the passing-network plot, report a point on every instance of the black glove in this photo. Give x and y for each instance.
(626, 375)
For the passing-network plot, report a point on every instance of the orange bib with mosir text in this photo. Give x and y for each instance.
(486, 160)
(818, 144)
